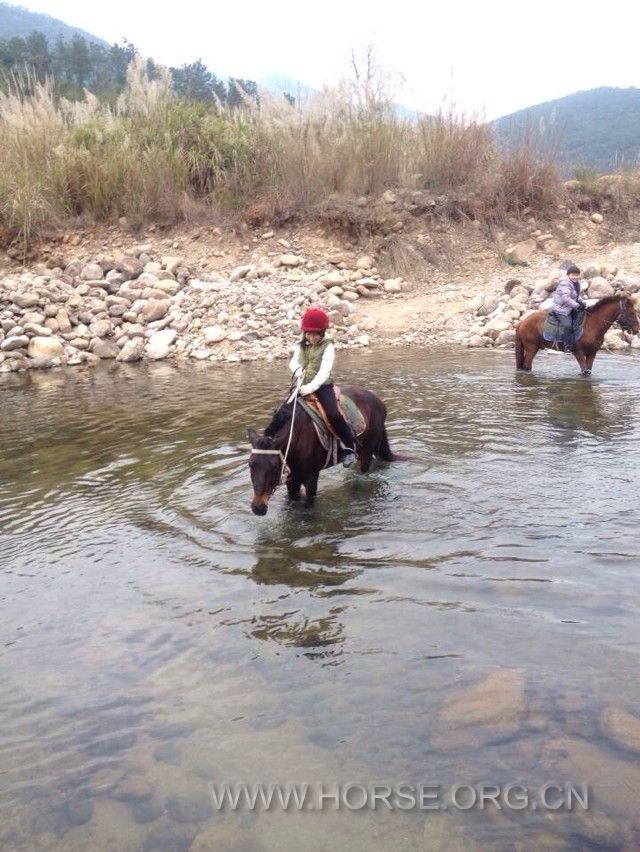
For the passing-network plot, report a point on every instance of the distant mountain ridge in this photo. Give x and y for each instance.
(598, 128)
(18, 22)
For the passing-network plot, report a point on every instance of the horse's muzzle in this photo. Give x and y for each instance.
(259, 504)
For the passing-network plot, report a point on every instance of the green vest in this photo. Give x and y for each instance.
(311, 358)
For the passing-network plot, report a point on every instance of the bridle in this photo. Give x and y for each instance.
(283, 456)
(283, 461)
(622, 312)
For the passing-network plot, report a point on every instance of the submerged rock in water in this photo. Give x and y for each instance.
(112, 743)
(194, 806)
(489, 711)
(622, 728)
(79, 810)
(168, 753)
(599, 831)
(146, 810)
(169, 839)
(225, 838)
(443, 833)
(103, 781)
(133, 788)
(614, 782)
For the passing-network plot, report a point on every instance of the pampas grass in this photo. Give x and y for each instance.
(155, 158)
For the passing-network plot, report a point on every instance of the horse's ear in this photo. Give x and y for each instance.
(252, 435)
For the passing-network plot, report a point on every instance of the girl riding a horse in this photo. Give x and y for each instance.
(290, 447)
(313, 360)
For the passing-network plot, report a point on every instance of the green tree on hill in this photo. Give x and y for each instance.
(78, 64)
(194, 82)
(38, 56)
(240, 92)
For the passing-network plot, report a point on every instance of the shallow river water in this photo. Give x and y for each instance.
(464, 619)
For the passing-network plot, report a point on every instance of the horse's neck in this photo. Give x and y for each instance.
(607, 314)
(280, 440)
(281, 437)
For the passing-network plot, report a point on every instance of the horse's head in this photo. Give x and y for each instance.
(265, 465)
(628, 319)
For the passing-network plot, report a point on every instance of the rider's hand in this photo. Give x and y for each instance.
(305, 390)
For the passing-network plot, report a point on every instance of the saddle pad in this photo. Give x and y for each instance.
(328, 443)
(554, 332)
(346, 406)
(351, 412)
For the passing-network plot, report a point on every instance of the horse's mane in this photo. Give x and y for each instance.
(264, 442)
(281, 418)
(607, 300)
(621, 294)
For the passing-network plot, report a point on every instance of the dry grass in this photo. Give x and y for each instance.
(616, 193)
(155, 158)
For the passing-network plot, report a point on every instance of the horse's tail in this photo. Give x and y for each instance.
(519, 351)
(384, 450)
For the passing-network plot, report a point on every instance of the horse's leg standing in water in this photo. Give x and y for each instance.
(590, 357)
(581, 358)
(365, 456)
(293, 487)
(310, 488)
(525, 351)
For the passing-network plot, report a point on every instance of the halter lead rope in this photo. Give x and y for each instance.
(293, 415)
(283, 457)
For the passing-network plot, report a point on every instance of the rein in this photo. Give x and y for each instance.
(283, 456)
(621, 311)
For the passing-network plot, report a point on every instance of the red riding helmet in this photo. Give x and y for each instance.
(314, 319)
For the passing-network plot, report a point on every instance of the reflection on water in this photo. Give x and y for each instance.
(466, 617)
(581, 408)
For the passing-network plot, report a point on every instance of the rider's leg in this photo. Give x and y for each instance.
(327, 397)
(566, 323)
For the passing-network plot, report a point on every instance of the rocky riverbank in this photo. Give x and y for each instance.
(236, 294)
(135, 305)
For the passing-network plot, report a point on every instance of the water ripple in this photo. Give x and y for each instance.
(153, 626)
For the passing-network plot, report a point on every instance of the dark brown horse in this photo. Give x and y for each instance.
(599, 319)
(306, 456)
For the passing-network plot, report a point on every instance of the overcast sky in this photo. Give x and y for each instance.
(487, 56)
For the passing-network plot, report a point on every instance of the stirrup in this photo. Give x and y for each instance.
(348, 458)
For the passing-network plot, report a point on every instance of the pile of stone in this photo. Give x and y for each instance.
(134, 306)
(497, 316)
(110, 308)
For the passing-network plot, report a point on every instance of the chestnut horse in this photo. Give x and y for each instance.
(305, 455)
(599, 319)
